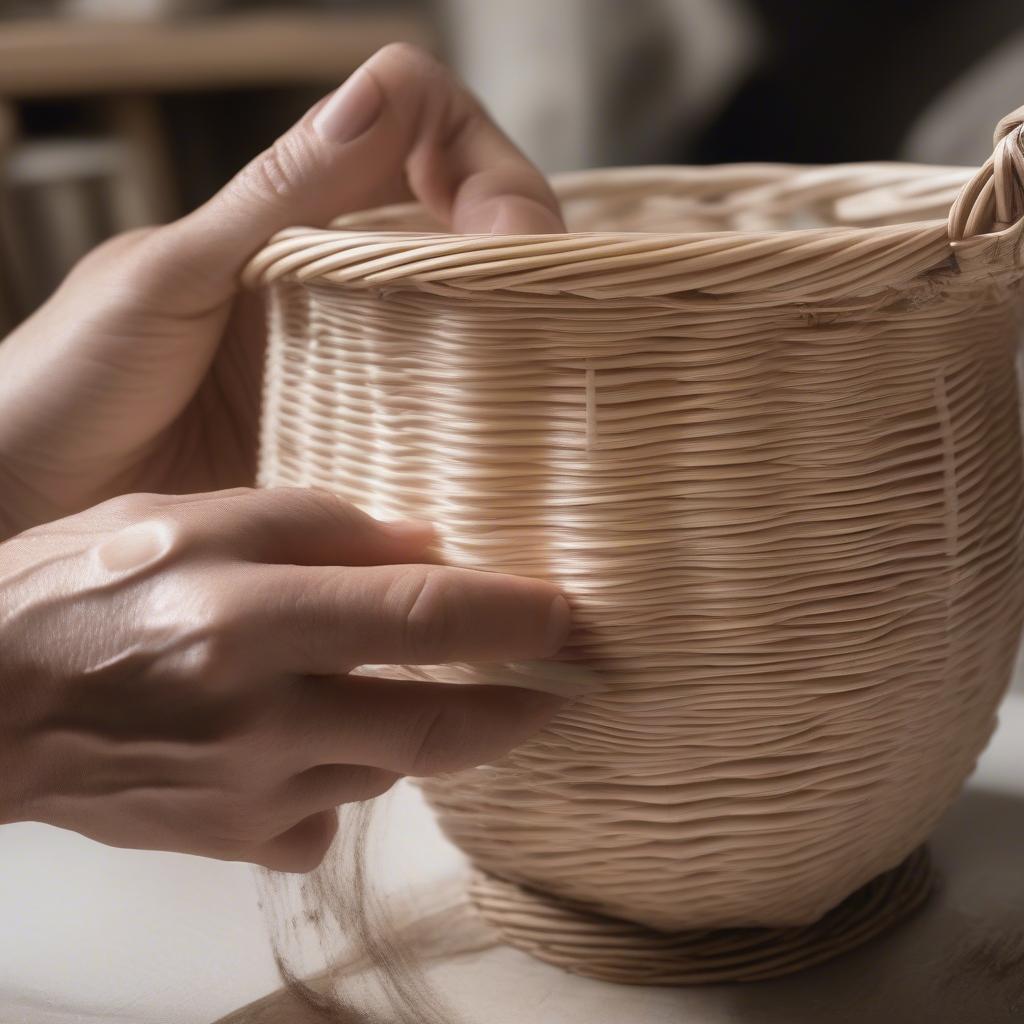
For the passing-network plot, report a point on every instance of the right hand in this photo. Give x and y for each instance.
(143, 372)
(174, 671)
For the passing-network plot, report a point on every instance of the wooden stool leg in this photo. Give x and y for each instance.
(144, 193)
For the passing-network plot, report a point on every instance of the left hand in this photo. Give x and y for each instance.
(143, 371)
(176, 673)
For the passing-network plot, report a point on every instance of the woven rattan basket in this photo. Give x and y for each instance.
(761, 424)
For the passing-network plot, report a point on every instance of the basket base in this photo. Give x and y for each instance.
(585, 943)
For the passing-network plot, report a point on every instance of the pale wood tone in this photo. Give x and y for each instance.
(761, 425)
(57, 57)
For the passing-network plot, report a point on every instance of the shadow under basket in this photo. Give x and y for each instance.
(761, 425)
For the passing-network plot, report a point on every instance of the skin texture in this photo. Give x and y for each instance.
(175, 666)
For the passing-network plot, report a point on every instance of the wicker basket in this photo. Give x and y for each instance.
(761, 424)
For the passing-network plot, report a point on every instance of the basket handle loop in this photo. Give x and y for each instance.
(993, 199)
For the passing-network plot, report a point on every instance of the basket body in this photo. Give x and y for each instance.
(777, 473)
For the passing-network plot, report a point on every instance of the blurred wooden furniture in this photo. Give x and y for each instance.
(61, 194)
(63, 57)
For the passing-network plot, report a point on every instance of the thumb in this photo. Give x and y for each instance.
(401, 112)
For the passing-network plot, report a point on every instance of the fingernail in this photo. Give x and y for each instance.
(411, 530)
(354, 106)
(559, 619)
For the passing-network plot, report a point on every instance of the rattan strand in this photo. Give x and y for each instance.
(765, 436)
(579, 941)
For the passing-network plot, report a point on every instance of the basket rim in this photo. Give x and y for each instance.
(361, 250)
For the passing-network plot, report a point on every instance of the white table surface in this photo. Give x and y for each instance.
(91, 934)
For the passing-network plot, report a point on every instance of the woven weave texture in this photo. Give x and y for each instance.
(598, 947)
(761, 425)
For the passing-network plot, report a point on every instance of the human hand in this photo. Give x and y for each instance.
(175, 671)
(142, 373)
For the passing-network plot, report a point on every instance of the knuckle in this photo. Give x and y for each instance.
(167, 536)
(200, 676)
(210, 651)
(177, 534)
(130, 506)
(426, 616)
(280, 171)
(211, 633)
(180, 537)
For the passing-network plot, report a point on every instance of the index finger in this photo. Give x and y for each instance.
(401, 111)
(459, 163)
(319, 620)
